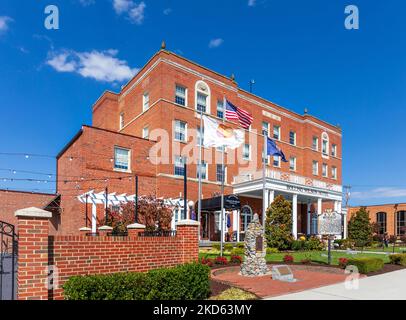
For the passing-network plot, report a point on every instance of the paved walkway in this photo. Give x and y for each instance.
(266, 287)
(388, 286)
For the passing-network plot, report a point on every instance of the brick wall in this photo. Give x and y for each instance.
(82, 255)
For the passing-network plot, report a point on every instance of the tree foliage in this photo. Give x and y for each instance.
(360, 229)
(278, 226)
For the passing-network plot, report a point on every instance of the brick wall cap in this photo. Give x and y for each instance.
(33, 213)
(85, 229)
(188, 223)
(136, 226)
(105, 228)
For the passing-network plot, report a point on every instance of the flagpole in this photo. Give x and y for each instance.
(199, 201)
(222, 190)
(265, 156)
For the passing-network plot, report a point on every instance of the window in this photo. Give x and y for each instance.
(325, 170)
(265, 128)
(203, 170)
(202, 97)
(180, 95)
(265, 158)
(200, 136)
(145, 132)
(246, 217)
(121, 120)
(381, 222)
(292, 163)
(220, 109)
(315, 144)
(324, 144)
(246, 152)
(292, 138)
(145, 101)
(401, 223)
(179, 166)
(219, 173)
(180, 130)
(315, 168)
(277, 132)
(334, 150)
(276, 161)
(334, 172)
(121, 159)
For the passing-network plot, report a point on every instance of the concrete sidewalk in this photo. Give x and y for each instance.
(388, 286)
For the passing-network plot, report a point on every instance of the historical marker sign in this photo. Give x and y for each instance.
(329, 223)
(259, 243)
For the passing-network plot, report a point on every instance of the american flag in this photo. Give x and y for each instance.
(235, 113)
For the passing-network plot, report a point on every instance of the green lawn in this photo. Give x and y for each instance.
(315, 256)
(389, 249)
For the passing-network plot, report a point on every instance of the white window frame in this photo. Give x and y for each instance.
(325, 139)
(129, 159)
(249, 152)
(186, 92)
(334, 150)
(199, 86)
(294, 138)
(220, 102)
(276, 158)
(174, 131)
(175, 163)
(334, 173)
(315, 163)
(145, 129)
(225, 173)
(121, 120)
(206, 173)
(145, 101)
(267, 128)
(294, 163)
(317, 143)
(279, 132)
(200, 133)
(324, 170)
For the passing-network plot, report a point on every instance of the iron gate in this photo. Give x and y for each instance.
(8, 261)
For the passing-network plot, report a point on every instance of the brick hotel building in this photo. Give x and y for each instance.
(168, 93)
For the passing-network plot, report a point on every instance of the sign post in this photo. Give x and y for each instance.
(329, 224)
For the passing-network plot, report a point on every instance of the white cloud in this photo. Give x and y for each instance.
(167, 11)
(384, 192)
(252, 3)
(4, 23)
(98, 65)
(135, 12)
(214, 43)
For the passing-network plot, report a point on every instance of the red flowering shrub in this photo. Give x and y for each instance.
(221, 260)
(288, 259)
(342, 262)
(236, 259)
(208, 261)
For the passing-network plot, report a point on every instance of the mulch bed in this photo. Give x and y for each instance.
(217, 287)
(386, 268)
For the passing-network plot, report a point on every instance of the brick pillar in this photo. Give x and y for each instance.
(32, 274)
(104, 230)
(85, 230)
(134, 229)
(188, 231)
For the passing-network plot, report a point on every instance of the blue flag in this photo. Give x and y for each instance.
(273, 150)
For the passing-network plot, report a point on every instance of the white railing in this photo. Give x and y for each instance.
(288, 177)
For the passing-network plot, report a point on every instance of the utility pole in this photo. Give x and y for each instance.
(347, 194)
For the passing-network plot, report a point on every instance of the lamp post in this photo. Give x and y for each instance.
(252, 82)
(394, 227)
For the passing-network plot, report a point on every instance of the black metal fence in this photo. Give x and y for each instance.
(160, 233)
(8, 261)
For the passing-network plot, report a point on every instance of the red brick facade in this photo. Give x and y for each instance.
(80, 255)
(391, 216)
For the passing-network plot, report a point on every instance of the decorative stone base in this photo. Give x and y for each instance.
(253, 267)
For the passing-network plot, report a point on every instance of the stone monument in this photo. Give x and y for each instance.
(255, 250)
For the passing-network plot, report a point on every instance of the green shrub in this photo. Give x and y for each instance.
(216, 246)
(237, 252)
(240, 245)
(366, 265)
(184, 282)
(228, 247)
(313, 244)
(297, 245)
(272, 250)
(399, 258)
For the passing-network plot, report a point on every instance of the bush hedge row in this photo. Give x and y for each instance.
(184, 282)
(366, 265)
(399, 258)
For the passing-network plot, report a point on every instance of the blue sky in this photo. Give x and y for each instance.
(298, 52)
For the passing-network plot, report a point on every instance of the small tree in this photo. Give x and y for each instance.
(360, 229)
(152, 212)
(278, 226)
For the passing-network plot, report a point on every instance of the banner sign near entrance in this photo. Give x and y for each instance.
(329, 223)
